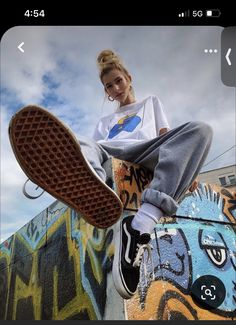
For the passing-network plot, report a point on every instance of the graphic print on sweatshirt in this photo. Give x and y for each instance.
(127, 123)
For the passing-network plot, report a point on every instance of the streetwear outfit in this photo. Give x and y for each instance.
(72, 170)
(131, 133)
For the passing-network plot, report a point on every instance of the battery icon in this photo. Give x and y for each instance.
(213, 13)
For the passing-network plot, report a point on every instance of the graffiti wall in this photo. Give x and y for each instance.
(185, 250)
(199, 241)
(130, 181)
(59, 267)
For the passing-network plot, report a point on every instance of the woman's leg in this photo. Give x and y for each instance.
(175, 159)
(95, 154)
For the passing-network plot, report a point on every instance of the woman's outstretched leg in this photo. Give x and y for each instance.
(51, 157)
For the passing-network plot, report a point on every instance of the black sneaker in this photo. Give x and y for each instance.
(129, 249)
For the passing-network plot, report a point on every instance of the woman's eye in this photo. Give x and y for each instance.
(118, 81)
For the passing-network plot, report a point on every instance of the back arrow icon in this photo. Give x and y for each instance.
(227, 56)
(20, 47)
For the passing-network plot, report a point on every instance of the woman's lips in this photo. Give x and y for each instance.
(119, 95)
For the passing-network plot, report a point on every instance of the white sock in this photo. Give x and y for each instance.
(146, 218)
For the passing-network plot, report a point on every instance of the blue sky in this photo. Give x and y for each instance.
(58, 71)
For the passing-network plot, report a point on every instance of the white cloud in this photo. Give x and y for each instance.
(22, 72)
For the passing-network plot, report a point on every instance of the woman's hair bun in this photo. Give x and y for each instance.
(106, 58)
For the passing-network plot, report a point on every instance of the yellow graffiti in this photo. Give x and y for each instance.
(91, 248)
(81, 302)
(24, 291)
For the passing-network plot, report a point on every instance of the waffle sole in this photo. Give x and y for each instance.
(51, 157)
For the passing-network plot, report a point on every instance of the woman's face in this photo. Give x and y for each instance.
(117, 86)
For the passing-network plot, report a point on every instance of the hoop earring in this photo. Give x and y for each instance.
(110, 98)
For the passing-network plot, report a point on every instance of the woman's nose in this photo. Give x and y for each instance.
(116, 87)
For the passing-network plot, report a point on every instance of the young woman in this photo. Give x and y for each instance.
(138, 132)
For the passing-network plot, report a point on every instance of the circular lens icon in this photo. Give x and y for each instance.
(208, 292)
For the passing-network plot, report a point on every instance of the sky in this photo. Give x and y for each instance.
(58, 72)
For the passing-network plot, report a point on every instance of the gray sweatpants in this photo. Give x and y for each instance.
(175, 158)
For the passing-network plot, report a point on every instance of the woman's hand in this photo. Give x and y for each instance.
(162, 131)
(194, 185)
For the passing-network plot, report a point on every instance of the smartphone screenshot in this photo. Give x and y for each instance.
(118, 169)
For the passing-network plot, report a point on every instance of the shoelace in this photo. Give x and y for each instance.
(138, 258)
(139, 253)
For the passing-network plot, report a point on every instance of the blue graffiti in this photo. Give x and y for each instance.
(186, 250)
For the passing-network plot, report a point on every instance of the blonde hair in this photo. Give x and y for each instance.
(107, 61)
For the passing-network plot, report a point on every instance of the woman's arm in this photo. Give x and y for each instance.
(194, 185)
(162, 125)
(100, 131)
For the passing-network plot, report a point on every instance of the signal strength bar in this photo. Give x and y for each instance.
(184, 14)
